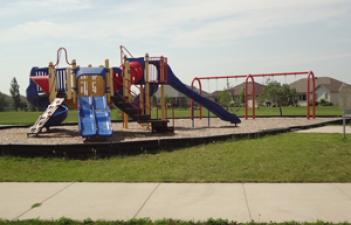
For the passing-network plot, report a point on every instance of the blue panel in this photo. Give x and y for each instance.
(33, 90)
(102, 114)
(117, 70)
(88, 71)
(61, 77)
(87, 124)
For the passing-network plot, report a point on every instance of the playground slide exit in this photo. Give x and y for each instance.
(94, 116)
(210, 105)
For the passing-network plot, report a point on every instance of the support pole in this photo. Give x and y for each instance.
(109, 80)
(253, 94)
(308, 95)
(52, 82)
(344, 125)
(313, 95)
(192, 104)
(69, 84)
(126, 89)
(141, 100)
(162, 89)
(173, 116)
(74, 83)
(147, 86)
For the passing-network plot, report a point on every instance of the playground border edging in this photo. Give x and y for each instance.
(100, 150)
(3, 127)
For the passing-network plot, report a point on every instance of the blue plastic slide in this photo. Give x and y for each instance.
(210, 105)
(102, 115)
(86, 118)
(94, 116)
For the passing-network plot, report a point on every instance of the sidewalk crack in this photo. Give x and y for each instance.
(45, 200)
(246, 201)
(146, 200)
(342, 191)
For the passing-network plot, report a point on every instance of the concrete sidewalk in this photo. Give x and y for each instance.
(121, 201)
(327, 129)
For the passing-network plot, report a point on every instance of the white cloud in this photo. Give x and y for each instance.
(42, 7)
(181, 23)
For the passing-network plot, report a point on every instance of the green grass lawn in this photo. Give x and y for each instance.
(289, 157)
(64, 221)
(291, 111)
(28, 118)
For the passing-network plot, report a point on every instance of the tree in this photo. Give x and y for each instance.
(279, 95)
(242, 96)
(225, 98)
(3, 102)
(15, 94)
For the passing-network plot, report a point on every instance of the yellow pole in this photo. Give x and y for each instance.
(162, 91)
(74, 83)
(147, 86)
(126, 88)
(141, 99)
(68, 84)
(109, 81)
(52, 82)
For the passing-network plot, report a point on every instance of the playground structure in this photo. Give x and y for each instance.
(311, 80)
(93, 90)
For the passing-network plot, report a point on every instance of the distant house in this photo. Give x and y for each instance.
(327, 89)
(176, 98)
(238, 90)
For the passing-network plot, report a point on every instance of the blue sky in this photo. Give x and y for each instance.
(199, 37)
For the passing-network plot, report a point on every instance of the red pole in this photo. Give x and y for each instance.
(192, 100)
(255, 75)
(246, 98)
(308, 97)
(200, 92)
(252, 96)
(310, 76)
(314, 97)
(253, 92)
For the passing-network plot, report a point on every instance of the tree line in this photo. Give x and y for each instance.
(274, 95)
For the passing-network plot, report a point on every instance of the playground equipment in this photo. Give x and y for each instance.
(92, 90)
(311, 80)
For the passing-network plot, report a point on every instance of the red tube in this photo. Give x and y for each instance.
(192, 100)
(252, 96)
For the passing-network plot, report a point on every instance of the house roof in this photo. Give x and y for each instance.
(170, 92)
(236, 90)
(333, 85)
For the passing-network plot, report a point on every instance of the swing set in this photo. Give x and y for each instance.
(310, 81)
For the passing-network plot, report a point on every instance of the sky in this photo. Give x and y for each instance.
(199, 37)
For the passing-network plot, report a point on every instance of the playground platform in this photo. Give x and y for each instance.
(183, 129)
(241, 202)
(65, 141)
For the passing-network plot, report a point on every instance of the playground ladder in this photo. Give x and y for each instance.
(129, 108)
(44, 118)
